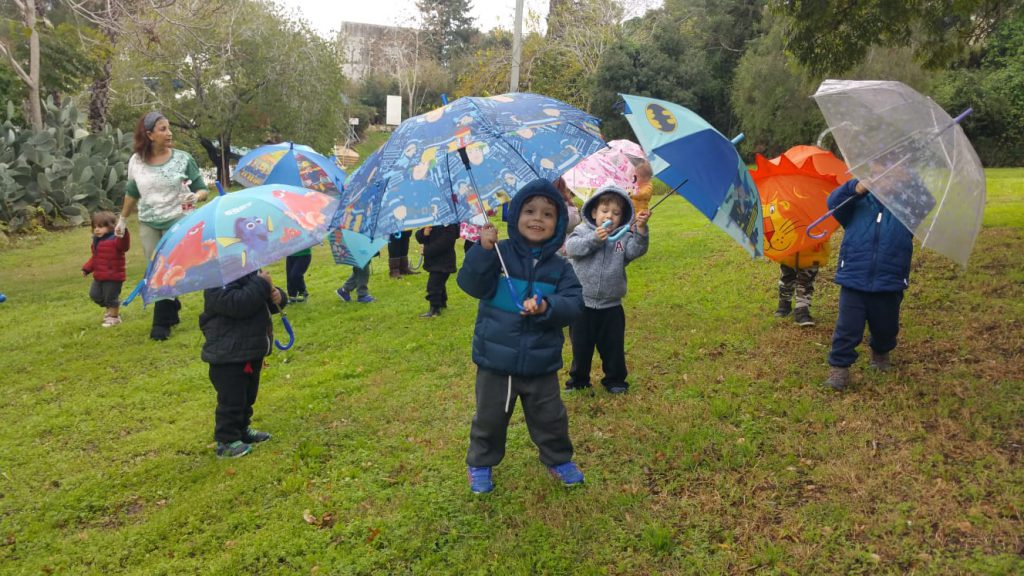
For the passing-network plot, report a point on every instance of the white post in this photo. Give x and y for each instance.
(517, 46)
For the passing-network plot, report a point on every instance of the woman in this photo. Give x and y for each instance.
(164, 184)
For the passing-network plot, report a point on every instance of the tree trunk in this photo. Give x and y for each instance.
(100, 99)
(34, 105)
(215, 157)
(224, 168)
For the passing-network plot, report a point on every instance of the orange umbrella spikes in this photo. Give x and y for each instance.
(794, 188)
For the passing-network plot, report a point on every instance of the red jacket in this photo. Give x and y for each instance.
(107, 262)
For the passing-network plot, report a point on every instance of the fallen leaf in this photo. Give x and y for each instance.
(373, 534)
(308, 517)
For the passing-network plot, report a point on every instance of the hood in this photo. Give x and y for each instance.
(538, 187)
(588, 206)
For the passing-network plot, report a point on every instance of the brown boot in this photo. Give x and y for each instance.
(394, 267)
(880, 361)
(838, 377)
(403, 266)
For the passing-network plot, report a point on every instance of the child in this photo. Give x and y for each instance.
(517, 340)
(874, 270)
(107, 265)
(798, 282)
(237, 324)
(438, 259)
(295, 267)
(644, 189)
(601, 268)
(358, 281)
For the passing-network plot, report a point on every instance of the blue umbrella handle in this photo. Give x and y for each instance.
(619, 234)
(288, 329)
(515, 295)
(135, 292)
(739, 138)
(823, 218)
(220, 189)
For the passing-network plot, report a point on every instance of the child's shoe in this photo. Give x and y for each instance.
(785, 307)
(235, 449)
(571, 386)
(302, 296)
(880, 362)
(802, 316)
(568, 473)
(838, 377)
(480, 479)
(109, 321)
(434, 311)
(344, 294)
(618, 389)
(253, 436)
(366, 299)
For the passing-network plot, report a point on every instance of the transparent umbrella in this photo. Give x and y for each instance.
(913, 157)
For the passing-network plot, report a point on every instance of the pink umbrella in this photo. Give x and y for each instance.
(612, 165)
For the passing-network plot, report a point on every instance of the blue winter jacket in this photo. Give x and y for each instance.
(504, 341)
(876, 249)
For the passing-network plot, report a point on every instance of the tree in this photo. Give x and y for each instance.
(448, 27)
(832, 37)
(27, 15)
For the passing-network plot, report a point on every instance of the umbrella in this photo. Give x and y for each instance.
(913, 157)
(291, 164)
(684, 149)
(463, 159)
(353, 248)
(233, 235)
(794, 189)
(612, 165)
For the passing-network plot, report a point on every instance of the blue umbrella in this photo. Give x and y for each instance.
(353, 248)
(291, 164)
(701, 164)
(464, 159)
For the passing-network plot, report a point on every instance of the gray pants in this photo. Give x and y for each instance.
(358, 281)
(798, 281)
(546, 418)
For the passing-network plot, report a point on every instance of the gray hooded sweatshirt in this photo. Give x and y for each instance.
(601, 264)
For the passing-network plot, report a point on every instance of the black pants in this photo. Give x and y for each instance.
(467, 245)
(604, 329)
(295, 272)
(437, 289)
(236, 388)
(879, 310)
(398, 246)
(545, 415)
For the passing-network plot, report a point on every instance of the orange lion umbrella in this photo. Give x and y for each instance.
(794, 188)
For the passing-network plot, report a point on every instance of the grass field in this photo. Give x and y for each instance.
(727, 455)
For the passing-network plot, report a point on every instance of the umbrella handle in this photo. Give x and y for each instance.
(739, 138)
(823, 217)
(220, 188)
(288, 329)
(515, 295)
(619, 234)
(135, 292)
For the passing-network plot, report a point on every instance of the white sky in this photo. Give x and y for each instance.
(326, 15)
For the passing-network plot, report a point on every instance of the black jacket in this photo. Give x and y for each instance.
(439, 248)
(236, 321)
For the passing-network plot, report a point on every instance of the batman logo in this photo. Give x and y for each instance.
(660, 118)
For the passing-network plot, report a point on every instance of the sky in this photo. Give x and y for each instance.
(326, 15)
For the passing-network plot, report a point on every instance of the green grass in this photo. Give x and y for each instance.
(727, 455)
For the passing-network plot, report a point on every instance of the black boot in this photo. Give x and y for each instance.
(165, 314)
(802, 316)
(785, 307)
(175, 319)
(394, 267)
(434, 311)
(403, 266)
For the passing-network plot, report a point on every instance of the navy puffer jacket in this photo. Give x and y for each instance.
(503, 340)
(876, 249)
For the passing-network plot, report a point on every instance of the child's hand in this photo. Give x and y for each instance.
(488, 236)
(642, 217)
(266, 276)
(84, 273)
(426, 230)
(602, 233)
(275, 296)
(861, 188)
(532, 308)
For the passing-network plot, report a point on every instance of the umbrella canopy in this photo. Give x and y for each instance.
(353, 248)
(463, 159)
(913, 157)
(291, 164)
(233, 235)
(604, 167)
(794, 191)
(701, 164)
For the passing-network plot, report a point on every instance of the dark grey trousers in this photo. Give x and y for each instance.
(546, 418)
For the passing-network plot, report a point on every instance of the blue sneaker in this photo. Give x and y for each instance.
(480, 479)
(366, 299)
(236, 449)
(568, 473)
(343, 294)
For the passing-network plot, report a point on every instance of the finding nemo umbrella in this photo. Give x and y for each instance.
(700, 164)
(464, 159)
(794, 189)
(291, 164)
(912, 156)
(232, 235)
